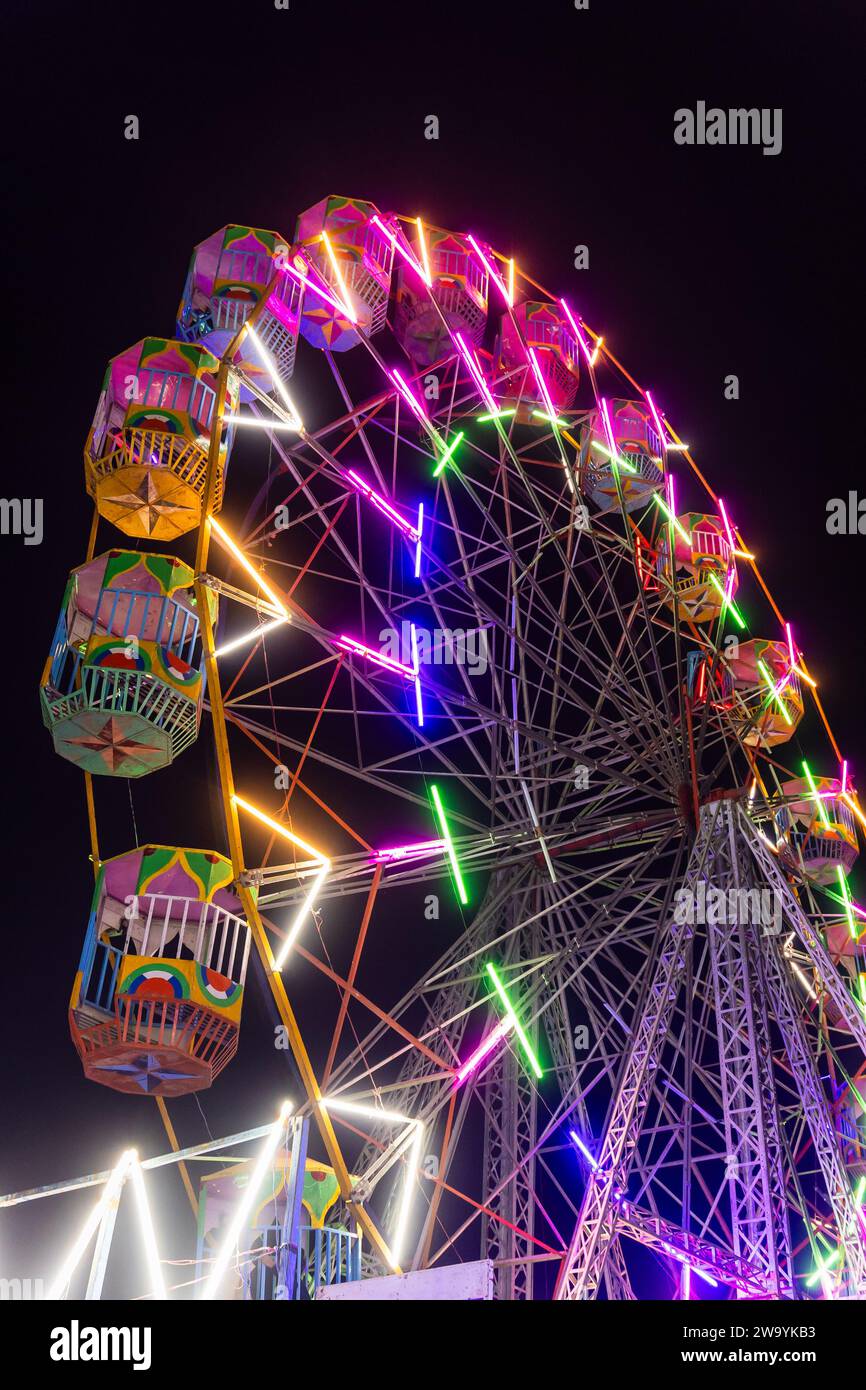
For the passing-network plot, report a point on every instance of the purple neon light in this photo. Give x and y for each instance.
(406, 851)
(405, 392)
(475, 373)
(500, 284)
(541, 382)
(318, 288)
(383, 506)
(351, 644)
(403, 250)
(418, 530)
(580, 338)
(657, 418)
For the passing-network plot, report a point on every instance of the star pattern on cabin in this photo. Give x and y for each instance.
(149, 505)
(147, 1071)
(113, 745)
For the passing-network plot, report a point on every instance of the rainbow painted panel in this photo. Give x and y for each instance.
(131, 654)
(183, 981)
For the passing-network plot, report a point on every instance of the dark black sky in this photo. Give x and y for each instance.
(556, 128)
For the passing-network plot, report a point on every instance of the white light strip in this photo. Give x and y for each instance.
(148, 1234)
(244, 1206)
(370, 1112)
(274, 375)
(110, 1192)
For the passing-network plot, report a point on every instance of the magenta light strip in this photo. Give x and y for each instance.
(580, 338)
(319, 289)
(732, 542)
(481, 1052)
(475, 373)
(844, 776)
(404, 391)
(500, 284)
(385, 507)
(608, 429)
(790, 644)
(404, 251)
(541, 382)
(657, 418)
(405, 851)
(418, 530)
(352, 645)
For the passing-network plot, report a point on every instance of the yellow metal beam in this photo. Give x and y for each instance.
(235, 844)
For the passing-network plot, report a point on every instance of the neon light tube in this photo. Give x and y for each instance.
(509, 1009)
(580, 338)
(273, 373)
(404, 251)
(596, 350)
(318, 288)
(419, 704)
(500, 284)
(251, 423)
(846, 898)
(493, 1037)
(422, 241)
(249, 637)
(823, 1267)
(814, 790)
(496, 415)
(338, 275)
(358, 649)
(390, 1117)
(614, 458)
(476, 373)
(109, 1193)
(448, 454)
(244, 1206)
(774, 690)
(850, 802)
(660, 429)
(449, 843)
(672, 518)
(542, 384)
(324, 868)
(576, 1139)
(408, 396)
(382, 504)
(419, 529)
(250, 569)
(726, 601)
(728, 527)
(790, 644)
(148, 1233)
(551, 419)
(405, 851)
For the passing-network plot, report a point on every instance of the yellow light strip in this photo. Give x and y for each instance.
(322, 873)
(241, 558)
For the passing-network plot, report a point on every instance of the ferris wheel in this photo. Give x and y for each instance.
(512, 748)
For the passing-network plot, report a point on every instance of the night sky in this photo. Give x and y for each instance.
(556, 129)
